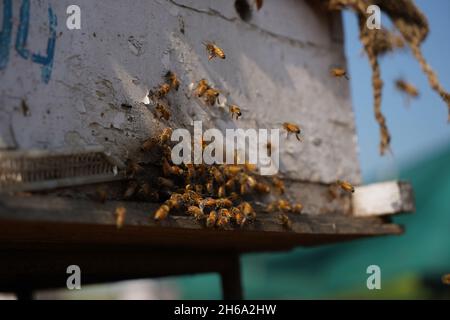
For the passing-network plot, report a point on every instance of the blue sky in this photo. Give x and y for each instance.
(418, 130)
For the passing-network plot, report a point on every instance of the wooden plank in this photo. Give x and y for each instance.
(56, 220)
(385, 198)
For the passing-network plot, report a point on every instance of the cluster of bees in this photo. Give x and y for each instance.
(217, 196)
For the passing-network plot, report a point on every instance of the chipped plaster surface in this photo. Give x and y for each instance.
(277, 70)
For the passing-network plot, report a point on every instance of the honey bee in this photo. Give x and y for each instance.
(224, 203)
(211, 96)
(131, 189)
(297, 208)
(250, 167)
(221, 193)
(209, 186)
(446, 279)
(238, 217)
(292, 128)
(222, 222)
(407, 88)
(346, 186)
(233, 196)
(191, 198)
(211, 220)
(133, 168)
(101, 195)
(230, 184)
(207, 203)
(171, 170)
(339, 72)
(190, 172)
(196, 212)
(248, 211)
(120, 216)
(235, 111)
(177, 200)
(201, 88)
(213, 50)
(232, 170)
(278, 184)
(148, 144)
(162, 90)
(218, 177)
(271, 207)
(284, 205)
(262, 187)
(226, 213)
(165, 136)
(162, 212)
(161, 112)
(172, 79)
(285, 221)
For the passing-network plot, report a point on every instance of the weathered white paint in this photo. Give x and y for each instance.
(277, 69)
(385, 198)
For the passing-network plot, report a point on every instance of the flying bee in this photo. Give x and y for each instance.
(172, 79)
(196, 212)
(224, 203)
(346, 186)
(284, 205)
(211, 220)
(262, 187)
(407, 88)
(162, 212)
(213, 50)
(292, 128)
(235, 111)
(131, 189)
(297, 208)
(285, 221)
(211, 96)
(162, 90)
(339, 73)
(221, 192)
(161, 112)
(165, 135)
(120, 216)
(201, 88)
(278, 184)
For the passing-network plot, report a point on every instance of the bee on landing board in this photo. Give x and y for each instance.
(213, 50)
(162, 212)
(162, 112)
(172, 80)
(120, 216)
(285, 221)
(346, 186)
(235, 111)
(292, 128)
(339, 73)
(201, 88)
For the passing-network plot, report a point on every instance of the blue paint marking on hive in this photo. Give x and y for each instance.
(5, 33)
(22, 36)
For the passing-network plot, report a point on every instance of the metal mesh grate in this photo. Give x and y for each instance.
(38, 170)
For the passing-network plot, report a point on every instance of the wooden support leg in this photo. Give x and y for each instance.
(231, 279)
